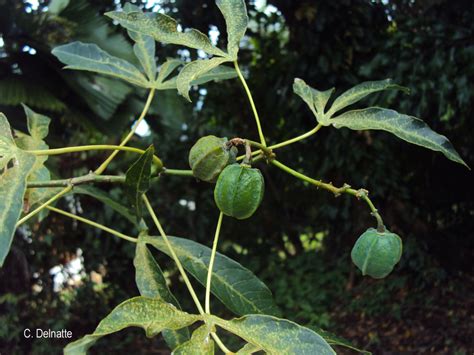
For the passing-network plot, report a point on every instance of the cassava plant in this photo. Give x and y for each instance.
(26, 189)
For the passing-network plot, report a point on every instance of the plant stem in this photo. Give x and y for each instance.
(252, 104)
(99, 170)
(83, 148)
(46, 204)
(181, 270)
(360, 193)
(211, 264)
(296, 139)
(98, 179)
(92, 223)
(104, 165)
(177, 172)
(173, 254)
(80, 180)
(285, 143)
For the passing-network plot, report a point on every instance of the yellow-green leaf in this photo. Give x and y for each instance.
(315, 99)
(153, 315)
(152, 283)
(144, 47)
(360, 91)
(276, 336)
(192, 71)
(15, 166)
(408, 128)
(165, 29)
(236, 19)
(199, 344)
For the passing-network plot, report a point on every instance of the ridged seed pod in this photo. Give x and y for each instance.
(376, 254)
(239, 191)
(209, 156)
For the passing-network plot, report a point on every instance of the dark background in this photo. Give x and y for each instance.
(300, 239)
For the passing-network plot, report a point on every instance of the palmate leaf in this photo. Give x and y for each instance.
(15, 166)
(408, 128)
(153, 315)
(236, 19)
(216, 74)
(193, 71)
(237, 287)
(90, 57)
(152, 283)
(144, 47)
(165, 29)
(360, 91)
(276, 336)
(199, 344)
(315, 99)
(167, 68)
(137, 180)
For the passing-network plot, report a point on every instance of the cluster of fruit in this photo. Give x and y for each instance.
(239, 191)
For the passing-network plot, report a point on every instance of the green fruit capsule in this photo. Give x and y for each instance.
(239, 191)
(209, 156)
(376, 254)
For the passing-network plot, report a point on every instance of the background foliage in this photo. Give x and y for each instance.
(424, 306)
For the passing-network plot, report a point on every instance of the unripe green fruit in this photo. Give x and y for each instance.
(209, 156)
(239, 191)
(376, 254)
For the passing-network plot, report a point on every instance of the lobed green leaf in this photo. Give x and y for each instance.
(408, 128)
(276, 336)
(192, 71)
(360, 91)
(153, 315)
(315, 99)
(237, 287)
(236, 19)
(90, 57)
(165, 29)
(152, 283)
(15, 166)
(199, 344)
(144, 47)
